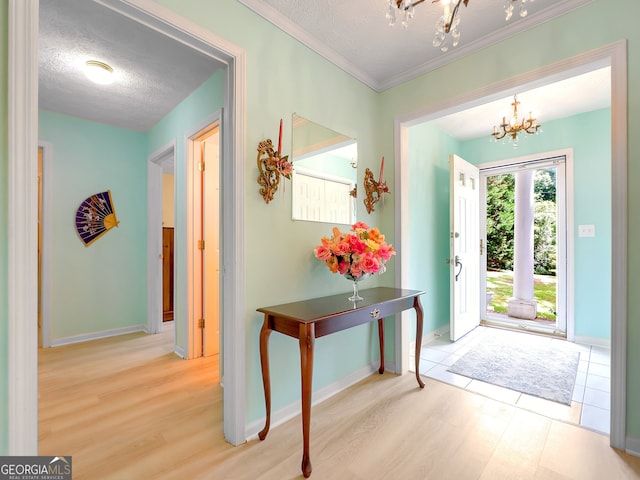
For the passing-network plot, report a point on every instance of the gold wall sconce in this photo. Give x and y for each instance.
(374, 190)
(272, 165)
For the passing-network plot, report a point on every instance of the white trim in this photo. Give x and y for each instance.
(87, 337)
(293, 409)
(593, 341)
(22, 380)
(154, 235)
(615, 55)
(45, 265)
(403, 253)
(22, 298)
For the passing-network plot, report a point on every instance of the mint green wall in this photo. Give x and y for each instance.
(591, 26)
(102, 286)
(284, 77)
(198, 106)
(4, 9)
(589, 134)
(429, 151)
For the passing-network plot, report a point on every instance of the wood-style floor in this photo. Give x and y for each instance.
(127, 408)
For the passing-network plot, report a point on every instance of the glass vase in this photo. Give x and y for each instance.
(356, 296)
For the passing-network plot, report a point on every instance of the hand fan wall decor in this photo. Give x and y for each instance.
(95, 217)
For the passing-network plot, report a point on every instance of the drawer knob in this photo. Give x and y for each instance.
(375, 313)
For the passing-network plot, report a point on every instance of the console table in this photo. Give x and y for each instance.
(315, 318)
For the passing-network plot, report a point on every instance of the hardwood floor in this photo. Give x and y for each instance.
(127, 408)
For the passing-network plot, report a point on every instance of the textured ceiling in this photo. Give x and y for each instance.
(153, 73)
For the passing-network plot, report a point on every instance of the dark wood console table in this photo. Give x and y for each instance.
(315, 318)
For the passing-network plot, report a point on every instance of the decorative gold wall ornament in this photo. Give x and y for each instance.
(374, 190)
(271, 166)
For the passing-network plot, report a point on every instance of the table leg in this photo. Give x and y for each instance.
(307, 341)
(266, 379)
(419, 319)
(381, 339)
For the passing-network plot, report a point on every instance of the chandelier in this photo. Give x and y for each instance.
(515, 126)
(448, 23)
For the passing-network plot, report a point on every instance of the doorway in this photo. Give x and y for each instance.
(612, 55)
(22, 232)
(530, 296)
(203, 238)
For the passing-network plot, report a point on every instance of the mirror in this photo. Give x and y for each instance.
(325, 173)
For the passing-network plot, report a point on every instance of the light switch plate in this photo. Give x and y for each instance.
(586, 230)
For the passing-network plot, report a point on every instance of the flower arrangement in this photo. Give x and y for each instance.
(357, 254)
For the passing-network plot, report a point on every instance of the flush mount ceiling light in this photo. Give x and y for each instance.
(447, 23)
(99, 72)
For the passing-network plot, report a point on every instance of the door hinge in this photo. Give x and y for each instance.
(201, 166)
(481, 247)
(201, 323)
(200, 244)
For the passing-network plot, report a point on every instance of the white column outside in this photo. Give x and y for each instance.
(523, 304)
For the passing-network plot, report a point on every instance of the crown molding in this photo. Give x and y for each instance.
(275, 17)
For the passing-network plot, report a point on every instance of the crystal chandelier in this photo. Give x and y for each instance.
(515, 126)
(448, 23)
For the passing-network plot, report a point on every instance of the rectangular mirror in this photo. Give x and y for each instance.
(325, 173)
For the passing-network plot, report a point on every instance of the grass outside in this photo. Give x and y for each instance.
(544, 291)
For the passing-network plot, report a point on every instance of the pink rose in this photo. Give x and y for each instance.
(370, 263)
(385, 251)
(341, 249)
(360, 226)
(357, 246)
(322, 252)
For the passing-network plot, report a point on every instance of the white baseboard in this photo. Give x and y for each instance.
(633, 446)
(86, 337)
(594, 341)
(429, 337)
(293, 409)
(178, 350)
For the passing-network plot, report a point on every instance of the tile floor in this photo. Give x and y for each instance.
(591, 402)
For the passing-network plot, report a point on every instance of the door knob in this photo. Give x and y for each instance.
(458, 264)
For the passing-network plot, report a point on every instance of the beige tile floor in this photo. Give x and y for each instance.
(591, 404)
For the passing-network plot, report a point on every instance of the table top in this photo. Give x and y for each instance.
(314, 309)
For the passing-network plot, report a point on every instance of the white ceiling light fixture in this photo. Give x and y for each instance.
(98, 72)
(448, 23)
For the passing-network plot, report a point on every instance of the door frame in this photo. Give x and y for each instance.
(155, 162)
(45, 267)
(22, 275)
(565, 246)
(613, 55)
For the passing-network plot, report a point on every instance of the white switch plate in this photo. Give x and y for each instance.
(586, 230)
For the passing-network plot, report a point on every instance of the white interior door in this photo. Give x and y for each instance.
(211, 340)
(464, 249)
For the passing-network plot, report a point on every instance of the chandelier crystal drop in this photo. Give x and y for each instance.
(509, 130)
(448, 24)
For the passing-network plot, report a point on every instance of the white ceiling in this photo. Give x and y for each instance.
(154, 73)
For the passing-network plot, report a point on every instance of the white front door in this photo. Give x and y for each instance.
(464, 248)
